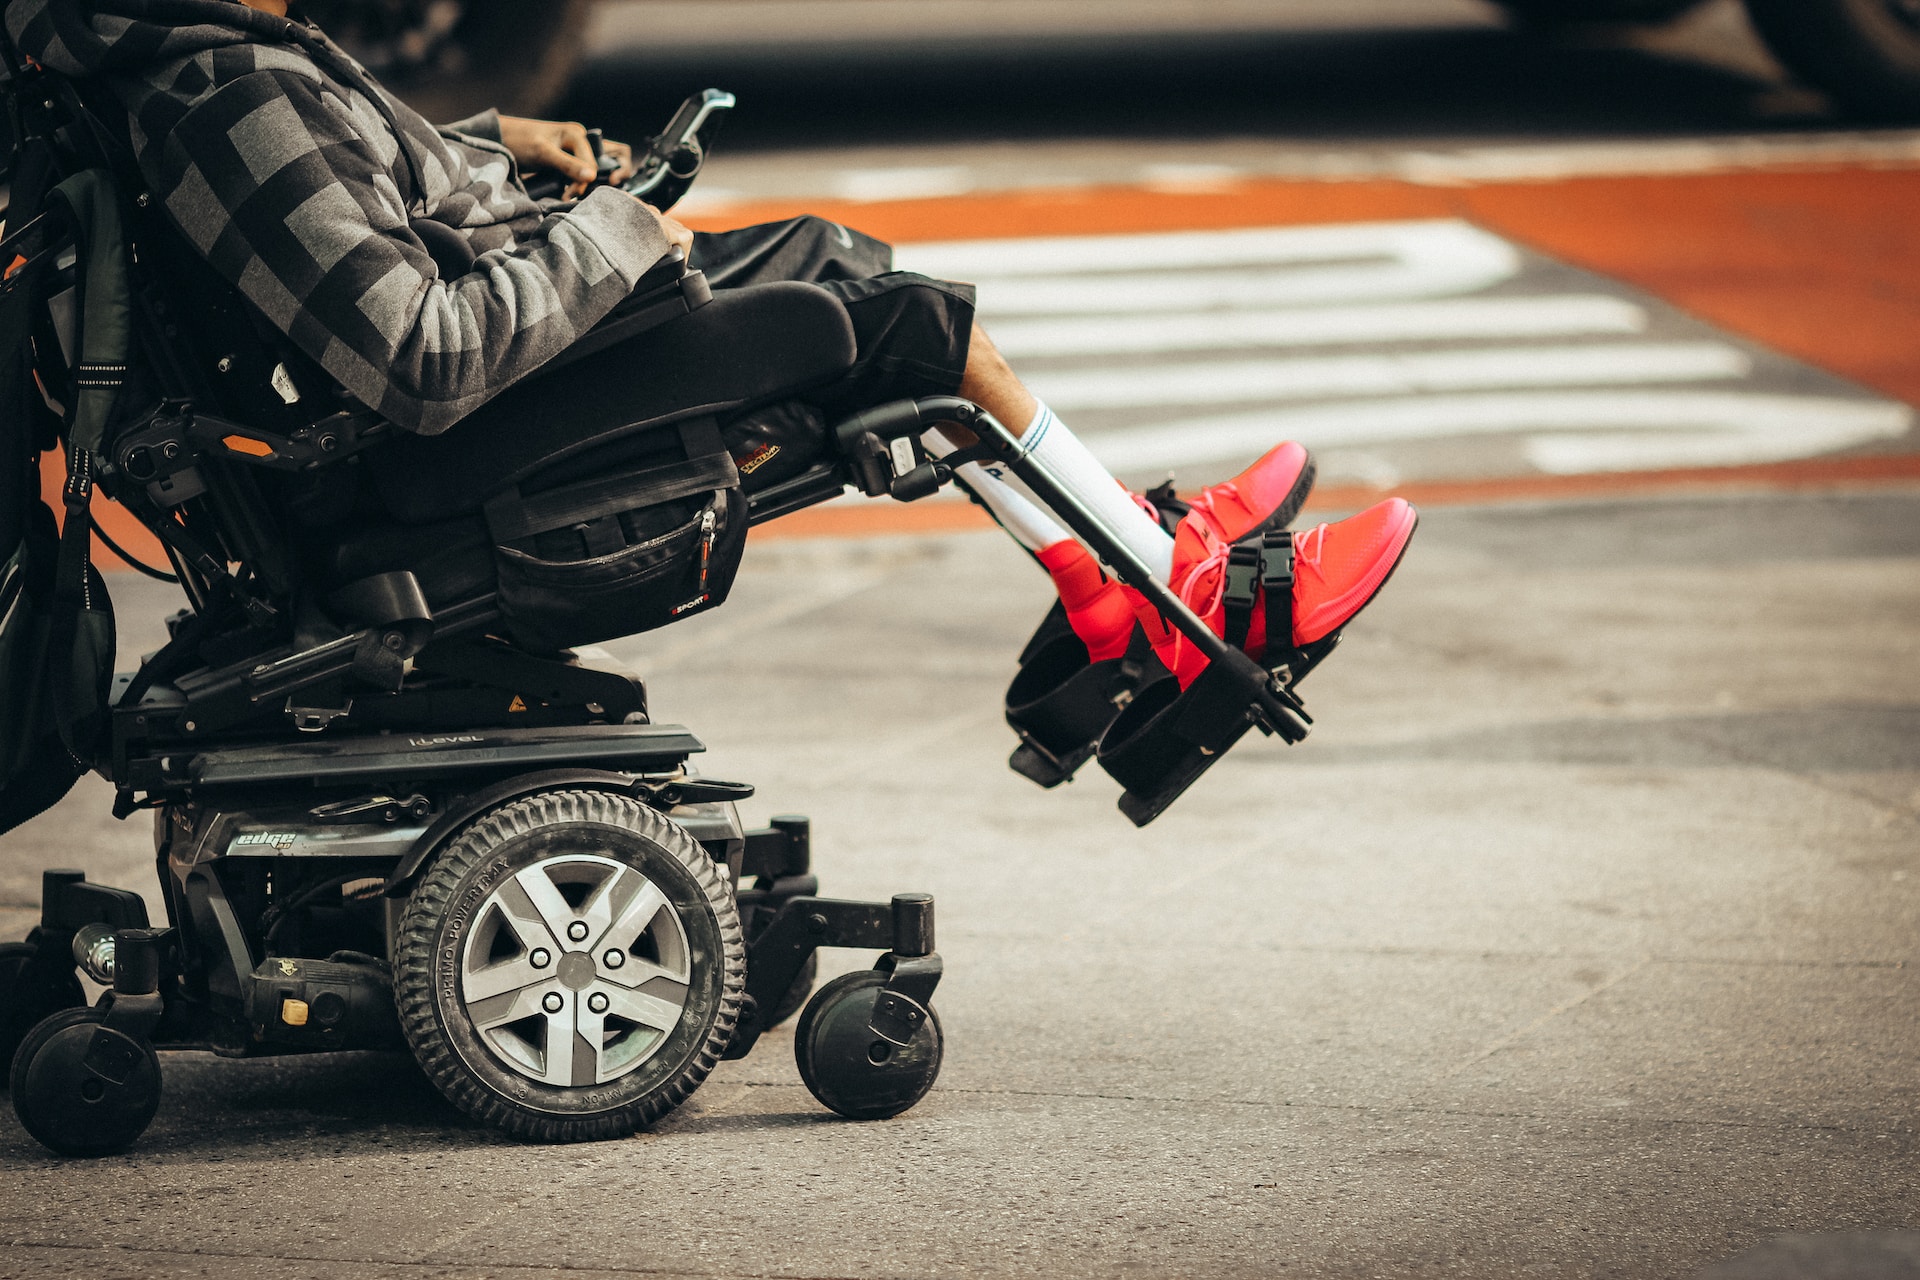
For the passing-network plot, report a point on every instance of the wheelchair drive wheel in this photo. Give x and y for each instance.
(82, 1088)
(850, 1068)
(28, 995)
(571, 967)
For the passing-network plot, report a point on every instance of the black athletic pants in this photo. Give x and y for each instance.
(911, 332)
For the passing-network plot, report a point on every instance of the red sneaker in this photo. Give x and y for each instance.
(1267, 495)
(1337, 569)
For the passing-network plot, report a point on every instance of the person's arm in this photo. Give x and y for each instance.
(294, 206)
(485, 126)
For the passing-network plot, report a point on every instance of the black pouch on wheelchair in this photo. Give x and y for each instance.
(608, 547)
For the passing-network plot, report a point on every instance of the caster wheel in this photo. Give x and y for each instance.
(28, 996)
(571, 967)
(82, 1089)
(850, 1069)
(797, 993)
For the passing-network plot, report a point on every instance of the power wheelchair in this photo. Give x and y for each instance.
(396, 803)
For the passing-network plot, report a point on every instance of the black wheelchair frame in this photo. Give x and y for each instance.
(309, 775)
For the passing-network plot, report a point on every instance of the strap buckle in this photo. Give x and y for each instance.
(1276, 582)
(1242, 590)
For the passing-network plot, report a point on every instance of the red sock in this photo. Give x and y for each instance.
(1096, 609)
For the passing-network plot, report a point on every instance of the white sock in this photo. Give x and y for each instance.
(1009, 501)
(1048, 442)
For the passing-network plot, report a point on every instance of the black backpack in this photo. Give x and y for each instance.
(56, 621)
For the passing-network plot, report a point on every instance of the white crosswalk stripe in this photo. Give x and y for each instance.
(1539, 317)
(1393, 348)
(1240, 381)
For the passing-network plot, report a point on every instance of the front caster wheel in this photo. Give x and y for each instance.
(849, 1068)
(571, 967)
(82, 1088)
(30, 992)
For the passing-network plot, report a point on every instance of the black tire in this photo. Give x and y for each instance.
(501, 53)
(29, 994)
(1549, 13)
(797, 994)
(472, 925)
(1864, 54)
(82, 1090)
(848, 1068)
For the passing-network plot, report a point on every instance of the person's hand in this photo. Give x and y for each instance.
(677, 235)
(548, 144)
(624, 154)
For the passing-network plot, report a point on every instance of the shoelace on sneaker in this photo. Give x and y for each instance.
(1306, 555)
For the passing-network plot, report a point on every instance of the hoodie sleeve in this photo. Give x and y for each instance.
(294, 202)
(486, 125)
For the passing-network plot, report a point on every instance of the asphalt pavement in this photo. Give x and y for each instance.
(1579, 939)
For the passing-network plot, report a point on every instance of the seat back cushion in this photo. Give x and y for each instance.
(747, 347)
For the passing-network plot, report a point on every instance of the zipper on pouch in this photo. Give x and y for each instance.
(706, 544)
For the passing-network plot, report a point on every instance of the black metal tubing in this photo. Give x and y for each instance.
(912, 924)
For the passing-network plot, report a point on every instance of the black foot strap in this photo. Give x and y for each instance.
(1260, 572)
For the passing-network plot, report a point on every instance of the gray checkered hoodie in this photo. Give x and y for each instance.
(298, 177)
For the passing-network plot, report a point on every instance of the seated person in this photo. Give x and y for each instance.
(303, 183)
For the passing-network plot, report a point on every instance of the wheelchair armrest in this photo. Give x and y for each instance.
(668, 291)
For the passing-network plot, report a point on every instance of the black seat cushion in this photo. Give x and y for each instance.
(747, 347)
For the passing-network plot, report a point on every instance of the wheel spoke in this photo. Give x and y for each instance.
(563, 1044)
(647, 1010)
(497, 979)
(637, 973)
(610, 899)
(532, 899)
(641, 906)
(497, 1011)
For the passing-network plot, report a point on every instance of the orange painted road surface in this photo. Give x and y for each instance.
(1820, 265)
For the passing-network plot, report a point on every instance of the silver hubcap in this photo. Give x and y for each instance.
(576, 971)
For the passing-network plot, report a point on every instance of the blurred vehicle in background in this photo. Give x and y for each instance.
(452, 57)
(1863, 54)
